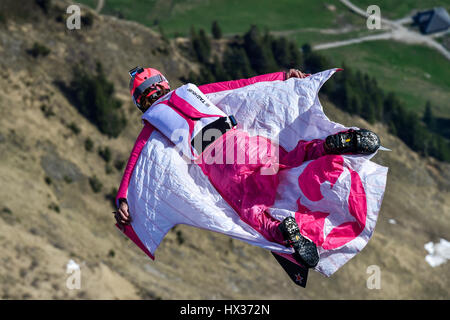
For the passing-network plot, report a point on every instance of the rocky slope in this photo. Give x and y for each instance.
(49, 214)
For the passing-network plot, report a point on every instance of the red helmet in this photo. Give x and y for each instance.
(142, 79)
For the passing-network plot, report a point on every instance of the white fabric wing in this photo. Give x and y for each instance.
(165, 190)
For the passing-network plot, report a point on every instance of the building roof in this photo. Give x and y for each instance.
(433, 20)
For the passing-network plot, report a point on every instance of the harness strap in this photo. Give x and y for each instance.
(222, 125)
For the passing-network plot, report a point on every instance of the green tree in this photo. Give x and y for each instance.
(355, 104)
(201, 45)
(376, 96)
(295, 56)
(216, 31)
(205, 43)
(236, 63)
(163, 35)
(88, 144)
(282, 52)
(96, 184)
(105, 153)
(315, 62)
(218, 70)
(205, 76)
(38, 50)
(44, 4)
(428, 117)
(93, 96)
(306, 49)
(259, 52)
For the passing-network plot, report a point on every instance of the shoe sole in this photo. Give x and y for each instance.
(307, 253)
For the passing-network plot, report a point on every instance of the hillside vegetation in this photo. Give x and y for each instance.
(57, 181)
(354, 91)
(398, 10)
(416, 74)
(236, 16)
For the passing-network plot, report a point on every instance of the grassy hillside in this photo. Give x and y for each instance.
(49, 212)
(415, 73)
(400, 9)
(234, 16)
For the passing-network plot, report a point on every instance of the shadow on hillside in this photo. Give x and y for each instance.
(443, 127)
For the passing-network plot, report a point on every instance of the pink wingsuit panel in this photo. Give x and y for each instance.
(207, 88)
(330, 168)
(243, 185)
(148, 129)
(129, 232)
(135, 152)
(357, 205)
(235, 84)
(122, 193)
(184, 107)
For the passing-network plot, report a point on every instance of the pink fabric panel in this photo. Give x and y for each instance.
(317, 172)
(236, 175)
(235, 84)
(135, 152)
(129, 232)
(122, 193)
(239, 180)
(329, 168)
(357, 205)
(304, 151)
(184, 107)
(357, 201)
(311, 223)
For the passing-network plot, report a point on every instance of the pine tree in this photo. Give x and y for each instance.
(295, 56)
(259, 52)
(428, 117)
(201, 45)
(355, 104)
(389, 106)
(93, 96)
(193, 33)
(216, 31)
(286, 53)
(218, 70)
(306, 49)
(44, 4)
(315, 62)
(205, 46)
(237, 64)
(205, 76)
(191, 78)
(368, 112)
(376, 96)
(281, 52)
(163, 35)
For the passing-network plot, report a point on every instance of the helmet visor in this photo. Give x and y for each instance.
(146, 84)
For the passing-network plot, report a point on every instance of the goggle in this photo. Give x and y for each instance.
(155, 95)
(152, 81)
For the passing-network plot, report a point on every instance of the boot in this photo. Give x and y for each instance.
(305, 250)
(360, 141)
